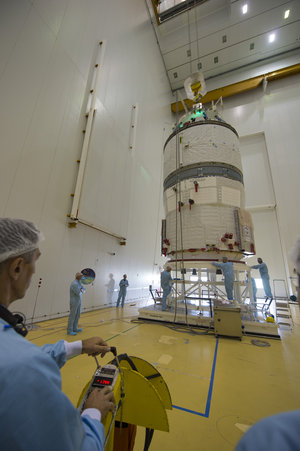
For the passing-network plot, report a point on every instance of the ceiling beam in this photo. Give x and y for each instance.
(239, 87)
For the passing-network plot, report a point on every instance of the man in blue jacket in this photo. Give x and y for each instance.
(34, 413)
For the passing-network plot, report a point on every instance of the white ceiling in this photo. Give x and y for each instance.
(221, 39)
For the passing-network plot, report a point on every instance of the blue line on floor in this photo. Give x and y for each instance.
(190, 411)
(209, 395)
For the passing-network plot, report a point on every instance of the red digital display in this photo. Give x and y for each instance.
(99, 381)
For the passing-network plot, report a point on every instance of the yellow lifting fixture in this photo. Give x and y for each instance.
(141, 395)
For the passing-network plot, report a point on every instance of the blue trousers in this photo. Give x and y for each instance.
(254, 290)
(75, 309)
(166, 292)
(267, 288)
(122, 295)
(229, 289)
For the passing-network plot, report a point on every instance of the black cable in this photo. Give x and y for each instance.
(177, 328)
(116, 361)
(124, 357)
(148, 438)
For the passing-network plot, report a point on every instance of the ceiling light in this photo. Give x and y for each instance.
(252, 46)
(272, 37)
(199, 65)
(286, 13)
(224, 38)
(216, 59)
(245, 8)
(175, 75)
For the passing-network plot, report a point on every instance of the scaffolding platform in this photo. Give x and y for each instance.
(203, 319)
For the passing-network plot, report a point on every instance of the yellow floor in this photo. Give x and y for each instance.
(219, 386)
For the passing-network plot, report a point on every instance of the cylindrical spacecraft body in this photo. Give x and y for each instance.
(204, 194)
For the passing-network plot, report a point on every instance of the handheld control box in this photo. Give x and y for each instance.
(105, 376)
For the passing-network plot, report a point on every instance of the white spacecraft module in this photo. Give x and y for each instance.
(204, 192)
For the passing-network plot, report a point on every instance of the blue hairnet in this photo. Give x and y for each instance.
(17, 237)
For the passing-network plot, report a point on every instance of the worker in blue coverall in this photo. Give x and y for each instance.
(227, 270)
(277, 433)
(34, 413)
(264, 274)
(76, 290)
(123, 290)
(165, 281)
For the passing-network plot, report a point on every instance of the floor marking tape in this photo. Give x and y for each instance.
(165, 359)
(166, 340)
(209, 395)
(243, 427)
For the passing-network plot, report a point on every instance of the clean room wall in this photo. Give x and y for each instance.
(274, 113)
(47, 52)
(260, 201)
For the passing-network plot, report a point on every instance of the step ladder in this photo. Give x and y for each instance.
(282, 305)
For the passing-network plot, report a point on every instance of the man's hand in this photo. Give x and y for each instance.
(94, 346)
(102, 400)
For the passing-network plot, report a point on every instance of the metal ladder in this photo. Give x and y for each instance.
(282, 306)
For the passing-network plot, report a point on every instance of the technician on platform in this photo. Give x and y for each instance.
(294, 255)
(123, 290)
(165, 281)
(227, 270)
(264, 274)
(76, 290)
(34, 413)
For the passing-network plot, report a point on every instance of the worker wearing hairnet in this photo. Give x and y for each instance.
(34, 412)
(227, 270)
(264, 274)
(76, 289)
(165, 281)
(123, 290)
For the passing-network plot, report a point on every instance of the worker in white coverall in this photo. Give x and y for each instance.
(227, 270)
(35, 414)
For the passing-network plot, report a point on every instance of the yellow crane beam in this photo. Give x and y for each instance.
(239, 87)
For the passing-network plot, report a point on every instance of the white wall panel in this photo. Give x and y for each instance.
(51, 12)
(20, 87)
(275, 114)
(47, 54)
(13, 16)
(257, 174)
(268, 248)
